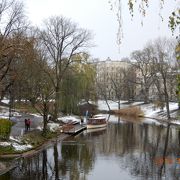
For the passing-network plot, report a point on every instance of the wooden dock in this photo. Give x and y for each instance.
(73, 129)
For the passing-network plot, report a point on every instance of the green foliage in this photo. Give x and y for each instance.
(78, 84)
(142, 6)
(131, 7)
(178, 52)
(5, 128)
(174, 20)
(35, 138)
(7, 150)
(25, 107)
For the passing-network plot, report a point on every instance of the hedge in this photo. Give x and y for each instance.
(5, 128)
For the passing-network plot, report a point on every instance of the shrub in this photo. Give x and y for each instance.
(159, 104)
(130, 111)
(5, 128)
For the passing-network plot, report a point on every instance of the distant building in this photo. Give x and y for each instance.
(129, 81)
(107, 71)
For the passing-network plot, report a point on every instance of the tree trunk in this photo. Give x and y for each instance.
(107, 104)
(45, 117)
(146, 95)
(165, 150)
(119, 104)
(166, 99)
(56, 103)
(56, 166)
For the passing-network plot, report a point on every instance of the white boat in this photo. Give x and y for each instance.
(97, 121)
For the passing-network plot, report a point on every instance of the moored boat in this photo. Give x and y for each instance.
(97, 121)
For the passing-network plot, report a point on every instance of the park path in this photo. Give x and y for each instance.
(19, 127)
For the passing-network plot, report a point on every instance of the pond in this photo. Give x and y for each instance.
(124, 150)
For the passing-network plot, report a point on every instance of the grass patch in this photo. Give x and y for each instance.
(25, 107)
(37, 138)
(133, 111)
(7, 150)
(5, 128)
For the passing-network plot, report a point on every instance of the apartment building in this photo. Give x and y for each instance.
(109, 71)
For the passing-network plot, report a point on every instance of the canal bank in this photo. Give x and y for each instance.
(29, 153)
(5, 167)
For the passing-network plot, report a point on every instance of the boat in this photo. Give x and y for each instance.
(95, 131)
(97, 121)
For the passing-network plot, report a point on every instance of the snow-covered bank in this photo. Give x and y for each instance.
(149, 110)
(4, 113)
(16, 144)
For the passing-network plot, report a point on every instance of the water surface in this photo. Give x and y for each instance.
(124, 150)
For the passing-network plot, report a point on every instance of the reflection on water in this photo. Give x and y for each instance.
(124, 150)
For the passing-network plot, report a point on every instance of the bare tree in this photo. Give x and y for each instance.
(129, 88)
(103, 92)
(117, 80)
(32, 83)
(104, 87)
(164, 56)
(143, 65)
(62, 40)
(12, 24)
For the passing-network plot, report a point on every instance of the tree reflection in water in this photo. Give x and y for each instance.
(135, 146)
(142, 144)
(170, 161)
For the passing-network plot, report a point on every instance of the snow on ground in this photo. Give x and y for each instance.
(39, 128)
(5, 101)
(176, 122)
(53, 127)
(36, 115)
(71, 118)
(114, 105)
(103, 106)
(4, 113)
(137, 103)
(17, 146)
(11, 138)
(149, 110)
(4, 144)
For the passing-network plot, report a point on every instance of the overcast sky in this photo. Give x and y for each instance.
(95, 15)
